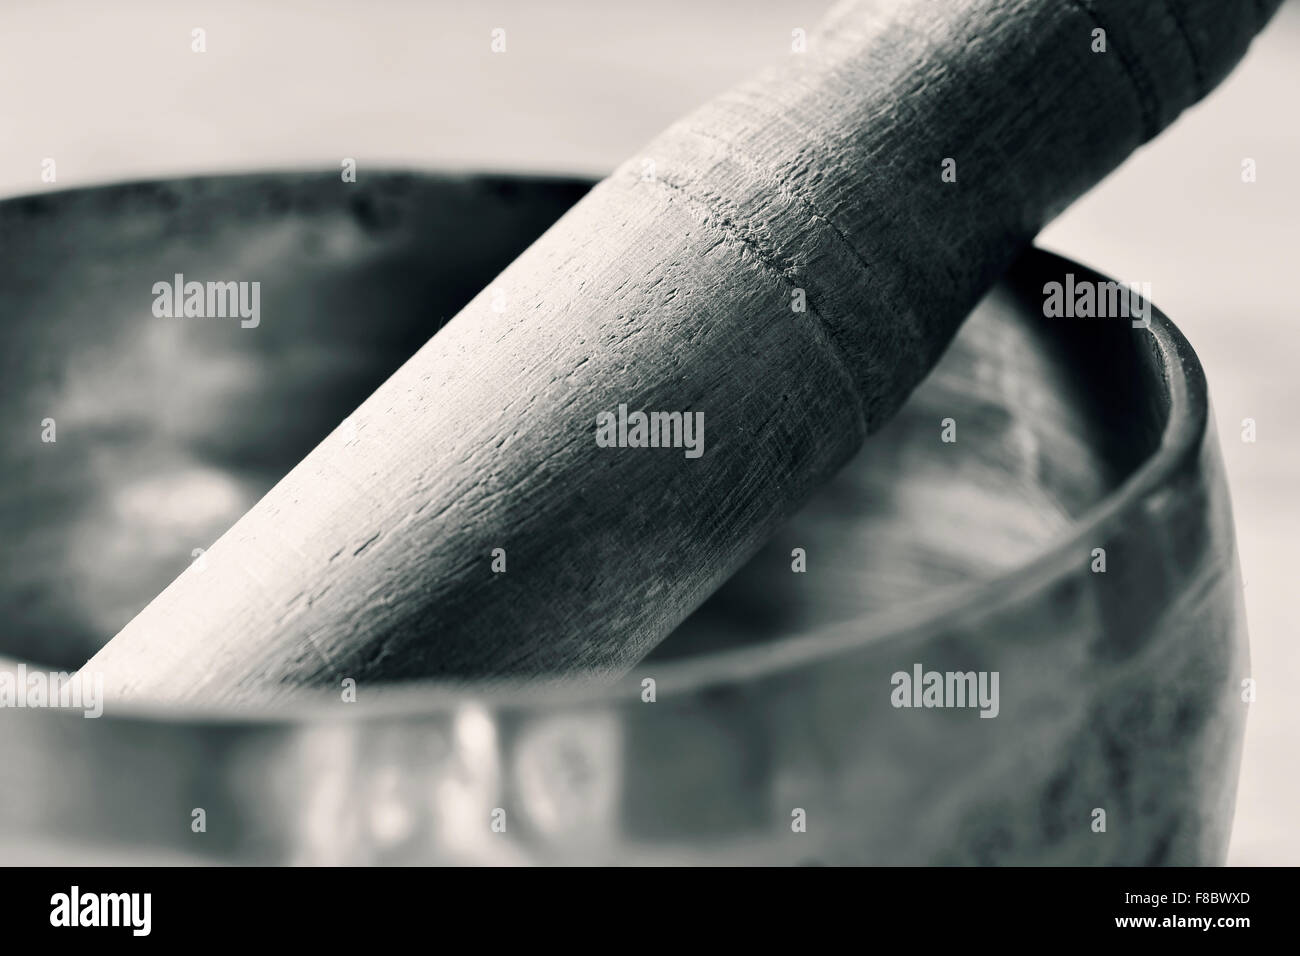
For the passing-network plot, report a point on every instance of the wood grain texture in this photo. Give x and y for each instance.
(372, 558)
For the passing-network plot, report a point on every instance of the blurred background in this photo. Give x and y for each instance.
(116, 92)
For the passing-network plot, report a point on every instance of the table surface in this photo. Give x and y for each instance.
(583, 84)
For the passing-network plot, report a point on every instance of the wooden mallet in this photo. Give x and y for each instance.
(784, 265)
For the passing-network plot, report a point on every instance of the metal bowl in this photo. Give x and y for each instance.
(765, 729)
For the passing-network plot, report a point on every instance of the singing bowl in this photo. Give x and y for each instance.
(764, 729)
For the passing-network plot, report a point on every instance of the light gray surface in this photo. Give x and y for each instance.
(407, 83)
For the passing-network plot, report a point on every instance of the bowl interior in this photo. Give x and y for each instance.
(167, 430)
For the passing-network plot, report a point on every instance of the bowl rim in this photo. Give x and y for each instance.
(1185, 426)
(1180, 441)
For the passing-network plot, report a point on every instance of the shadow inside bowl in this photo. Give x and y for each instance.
(167, 430)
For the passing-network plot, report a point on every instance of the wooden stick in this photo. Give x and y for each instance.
(883, 180)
